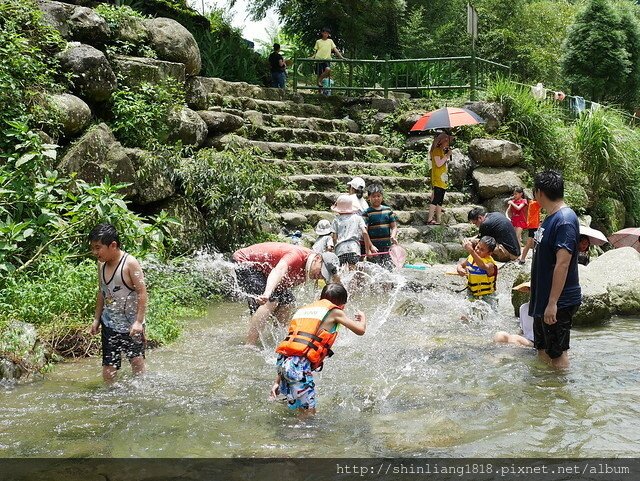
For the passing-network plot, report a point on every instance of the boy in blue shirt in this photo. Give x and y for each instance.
(555, 287)
(382, 226)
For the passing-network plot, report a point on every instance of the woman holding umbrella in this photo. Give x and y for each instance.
(442, 119)
(440, 154)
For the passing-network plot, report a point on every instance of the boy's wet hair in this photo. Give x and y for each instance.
(476, 212)
(551, 183)
(326, 29)
(374, 189)
(105, 234)
(276, 46)
(489, 241)
(335, 293)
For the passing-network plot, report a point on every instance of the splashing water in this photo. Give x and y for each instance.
(420, 382)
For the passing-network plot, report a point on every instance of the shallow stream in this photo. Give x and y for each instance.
(421, 382)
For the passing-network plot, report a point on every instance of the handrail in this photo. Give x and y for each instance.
(398, 75)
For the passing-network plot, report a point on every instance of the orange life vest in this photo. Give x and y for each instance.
(306, 338)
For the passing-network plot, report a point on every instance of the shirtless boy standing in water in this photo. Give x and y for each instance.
(120, 305)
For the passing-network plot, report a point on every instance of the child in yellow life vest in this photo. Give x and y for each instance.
(480, 270)
(312, 332)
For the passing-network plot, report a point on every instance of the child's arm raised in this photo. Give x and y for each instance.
(358, 324)
(490, 267)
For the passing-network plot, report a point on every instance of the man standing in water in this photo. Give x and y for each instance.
(555, 287)
(266, 273)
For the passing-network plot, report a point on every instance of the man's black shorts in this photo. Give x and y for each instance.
(438, 196)
(321, 67)
(554, 338)
(115, 343)
(252, 281)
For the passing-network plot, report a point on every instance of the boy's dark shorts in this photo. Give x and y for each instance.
(115, 343)
(532, 232)
(321, 67)
(554, 338)
(252, 281)
(438, 196)
(350, 258)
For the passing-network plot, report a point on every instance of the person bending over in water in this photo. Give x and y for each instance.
(312, 332)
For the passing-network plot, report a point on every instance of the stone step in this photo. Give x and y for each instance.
(274, 120)
(372, 153)
(339, 181)
(303, 217)
(436, 233)
(352, 168)
(311, 123)
(274, 107)
(306, 136)
(292, 199)
(199, 88)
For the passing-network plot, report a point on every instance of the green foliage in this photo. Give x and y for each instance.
(597, 59)
(536, 125)
(58, 296)
(608, 151)
(140, 112)
(41, 211)
(235, 189)
(27, 65)
(127, 23)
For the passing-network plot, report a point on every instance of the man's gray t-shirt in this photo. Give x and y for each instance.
(348, 228)
(500, 228)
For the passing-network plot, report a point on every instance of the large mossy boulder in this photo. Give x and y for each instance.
(619, 271)
(153, 176)
(98, 155)
(186, 126)
(73, 113)
(56, 15)
(492, 112)
(492, 182)
(220, 122)
(136, 70)
(87, 26)
(174, 43)
(495, 153)
(460, 167)
(93, 78)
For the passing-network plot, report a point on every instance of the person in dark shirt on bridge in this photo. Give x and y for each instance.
(278, 67)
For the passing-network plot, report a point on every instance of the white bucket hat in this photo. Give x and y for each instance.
(323, 227)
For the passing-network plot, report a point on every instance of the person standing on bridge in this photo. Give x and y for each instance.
(322, 51)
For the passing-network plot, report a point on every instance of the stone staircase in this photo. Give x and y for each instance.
(321, 149)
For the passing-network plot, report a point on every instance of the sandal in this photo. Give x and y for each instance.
(433, 222)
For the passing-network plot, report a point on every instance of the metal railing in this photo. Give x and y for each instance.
(352, 77)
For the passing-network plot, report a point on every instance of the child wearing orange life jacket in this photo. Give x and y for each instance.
(312, 332)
